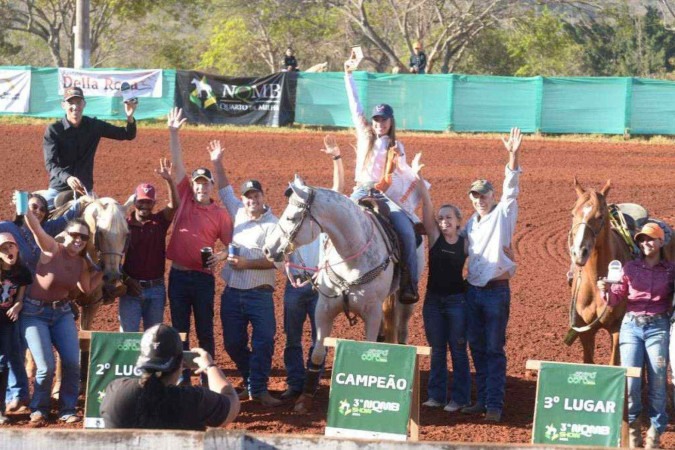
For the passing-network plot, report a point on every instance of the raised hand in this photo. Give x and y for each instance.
(130, 108)
(332, 148)
(175, 119)
(416, 166)
(215, 150)
(164, 170)
(512, 144)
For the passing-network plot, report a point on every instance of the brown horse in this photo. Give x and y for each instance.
(592, 245)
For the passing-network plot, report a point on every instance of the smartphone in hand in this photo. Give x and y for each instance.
(189, 360)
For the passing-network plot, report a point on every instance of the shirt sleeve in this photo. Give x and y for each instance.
(231, 202)
(126, 133)
(226, 229)
(213, 407)
(510, 191)
(619, 291)
(51, 156)
(422, 64)
(355, 107)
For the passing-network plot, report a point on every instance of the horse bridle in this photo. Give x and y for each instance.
(572, 232)
(306, 208)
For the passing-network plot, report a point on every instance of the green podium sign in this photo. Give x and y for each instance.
(371, 389)
(579, 404)
(112, 356)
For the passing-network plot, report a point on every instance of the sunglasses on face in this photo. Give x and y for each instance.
(75, 235)
(36, 207)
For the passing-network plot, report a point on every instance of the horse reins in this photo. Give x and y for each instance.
(575, 295)
(344, 285)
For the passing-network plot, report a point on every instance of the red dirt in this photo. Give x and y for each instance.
(540, 296)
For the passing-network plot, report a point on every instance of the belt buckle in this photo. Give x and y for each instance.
(642, 320)
(56, 304)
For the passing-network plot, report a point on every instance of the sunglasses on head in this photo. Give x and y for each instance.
(75, 234)
(36, 207)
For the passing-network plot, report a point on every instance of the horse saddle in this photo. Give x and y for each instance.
(632, 217)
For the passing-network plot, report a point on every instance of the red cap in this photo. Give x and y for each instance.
(145, 191)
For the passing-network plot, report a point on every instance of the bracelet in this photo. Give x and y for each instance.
(335, 158)
(209, 366)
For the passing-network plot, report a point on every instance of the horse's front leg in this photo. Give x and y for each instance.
(587, 340)
(324, 315)
(388, 327)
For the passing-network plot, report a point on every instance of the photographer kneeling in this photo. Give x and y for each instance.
(154, 400)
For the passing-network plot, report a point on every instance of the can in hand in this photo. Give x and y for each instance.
(233, 250)
(21, 199)
(207, 252)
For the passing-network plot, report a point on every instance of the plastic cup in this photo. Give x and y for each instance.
(21, 198)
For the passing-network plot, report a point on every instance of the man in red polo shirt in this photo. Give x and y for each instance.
(198, 223)
(146, 255)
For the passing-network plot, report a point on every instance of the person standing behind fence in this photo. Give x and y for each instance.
(444, 311)
(14, 277)
(418, 60)
(290, 63)
(300, 302)
(146, 255)
(489, 231)
(198, 223)
(155, 402)
(250, 284)
(70, 145)
(647, 285)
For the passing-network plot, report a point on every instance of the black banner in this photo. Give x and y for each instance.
(207, 98)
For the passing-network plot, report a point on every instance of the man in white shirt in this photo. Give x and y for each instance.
(250, 284)
(489, 232)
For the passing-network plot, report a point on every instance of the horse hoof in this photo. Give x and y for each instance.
(303, 404)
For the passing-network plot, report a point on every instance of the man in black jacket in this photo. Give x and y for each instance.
(70, 144)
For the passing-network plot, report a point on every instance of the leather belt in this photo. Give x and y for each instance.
(146, 284)
(53, 305)
(646, 319)
(263, 287)
(493, 284)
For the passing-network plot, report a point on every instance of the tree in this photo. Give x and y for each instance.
(447, 27)
(52, 22)
(541, 45)
(251, 36)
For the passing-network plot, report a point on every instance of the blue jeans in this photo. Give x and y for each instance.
(238, 308)
(191, 291)
(49, 195)
(445, 325)
(488, 315)
(17, 381)
(149, 307)
(299, 303)
(647, 344)
(42, 328)
(404, 228)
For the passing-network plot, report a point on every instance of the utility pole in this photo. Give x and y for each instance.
(81, 32)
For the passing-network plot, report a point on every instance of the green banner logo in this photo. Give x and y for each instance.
(371, 390)
(579, 405)
(112, 356)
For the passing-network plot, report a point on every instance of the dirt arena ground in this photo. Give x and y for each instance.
(540, 296)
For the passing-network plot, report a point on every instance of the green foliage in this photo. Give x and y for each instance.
(488, 55)
(227, 52)
(541, 45)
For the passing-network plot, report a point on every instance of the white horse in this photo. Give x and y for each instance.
(357, 275)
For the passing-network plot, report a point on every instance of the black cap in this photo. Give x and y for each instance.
(383, 110)
(251, 185)
(202, 172)
(161, 349)
(72, 92)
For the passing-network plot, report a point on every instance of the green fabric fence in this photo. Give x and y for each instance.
(471, 103)
(45, 100)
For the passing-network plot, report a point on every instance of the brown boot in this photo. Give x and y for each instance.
(653, 438)
(267, 400)
(635, 434)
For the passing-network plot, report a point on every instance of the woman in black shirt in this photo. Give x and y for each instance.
(444, 309)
